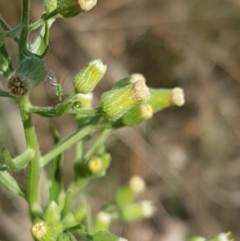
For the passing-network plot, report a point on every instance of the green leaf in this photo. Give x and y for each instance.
(40, 45)
(67, 204)
(105, 236)
(10, 183)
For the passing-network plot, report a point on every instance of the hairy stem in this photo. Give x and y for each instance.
(25, 25)
(34, 165)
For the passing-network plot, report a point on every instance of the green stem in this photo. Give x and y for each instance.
(89, 215)
(4, 24)
(10, 32)
(56, 176)
(97, 144)
(44, 18)
(30, 134)
(18, 162)
(34, 165)
(5, 94)
(13, 32)
(79, 151)
(70, 141)
(25, 25)
(78, 185)
(55, 111)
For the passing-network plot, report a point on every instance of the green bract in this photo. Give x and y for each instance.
(118, 101)
(137, 114)
(50, 5)
(134, 211)
(86, 80)
(34, 69)
(31, 72)
(102, 221)
(126, 194)
(162, 98)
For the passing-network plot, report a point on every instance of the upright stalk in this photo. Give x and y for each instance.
(30, 134)
(25, 25)
(34, 164)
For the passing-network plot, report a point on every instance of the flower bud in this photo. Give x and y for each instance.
(134, 211)
(133, 78)
(137, 114)
(137, 184)
(19, 85)
(31, 72)
(162, 98)
(99, 164)
(220, 237)
(106, 236)
(197, 239)
(71, 8)
(44, 232)
(86, 80)
(126, 194)
(102, 221)
(118, 101)
(39, 230)
(223, 237)
(95, 165)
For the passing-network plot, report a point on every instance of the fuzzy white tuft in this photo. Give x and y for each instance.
(99, 64)
(148, 209)
(178, 96)
(87, 5)
(137, 184)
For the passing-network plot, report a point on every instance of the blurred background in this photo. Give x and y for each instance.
(188, 156)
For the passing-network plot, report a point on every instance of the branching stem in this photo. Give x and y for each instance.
(70, 141)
